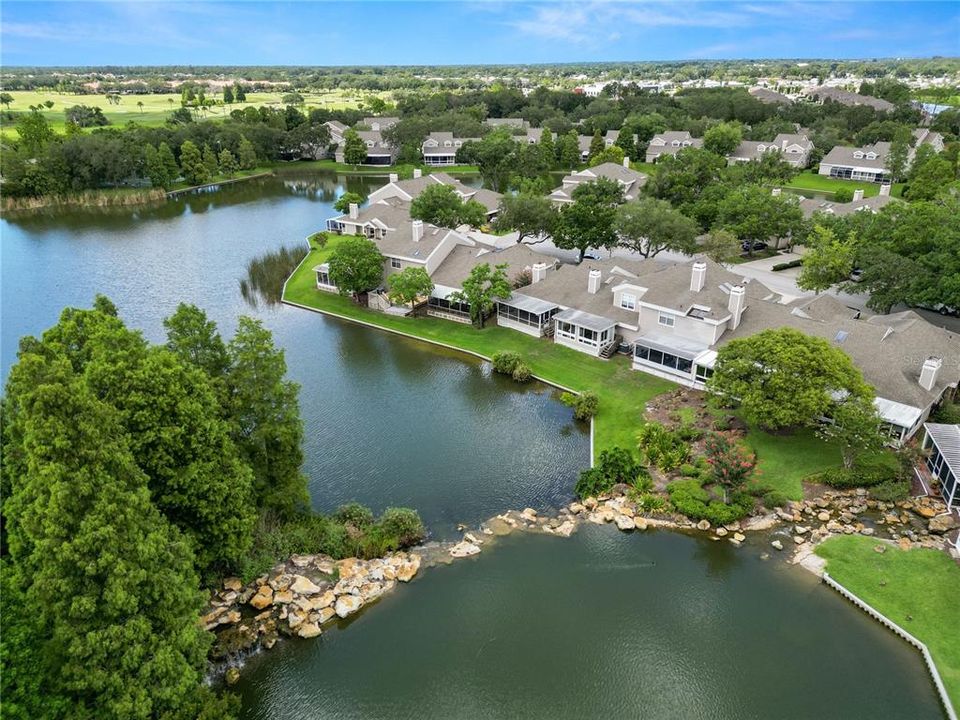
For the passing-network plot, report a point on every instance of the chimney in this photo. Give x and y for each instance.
(538, 271)
(417, 172)
(885, 189)
(776, 192)
(858, 194)
(626, 162)
(735, 305)
(354, 211)
(417, 230)
(928, 373)
(593, 282)
(698, 276)
(394, 177)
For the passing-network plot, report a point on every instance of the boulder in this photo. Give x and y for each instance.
(941, 524)
(721, 532)
(823, 516)
(348, 604)
(799, 539)
(324, 614)
(576, 508)
(625, 522)
(739, 537)
(408, 569)
(867, 531)
(349, 567)
(464, 549)
(641, 523)
(232, 583)
(703, 525)
(590, 503)
(776, 544)
(263, 598)
(529, 514)
(323, 600)
(904, 543)
(232, 675)
(295, 618)
(735, 542)
(283, 597)
(565, 529)
(801, 530)
(309, 630)
(926, 511)
(304, 586)
(371, 591)
(761, 522)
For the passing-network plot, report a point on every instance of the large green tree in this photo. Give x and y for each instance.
(532, 216)
(408, 285)
(649, 226)
(828, 260)
(723, 138)
(354, 149)
(681, 178)
(856, 427)
(753, 214)
(343, 203)
(440, 205)
(191, 163)
(588, 222)
(356, 266)
(783, 378)
(481, 289)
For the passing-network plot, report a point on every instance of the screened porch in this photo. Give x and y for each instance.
(584, 331)
(527, 314)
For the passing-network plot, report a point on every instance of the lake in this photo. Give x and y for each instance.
(650, 625)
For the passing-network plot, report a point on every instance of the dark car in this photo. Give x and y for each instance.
(757, 245)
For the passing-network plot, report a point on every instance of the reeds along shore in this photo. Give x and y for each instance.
(87, 198)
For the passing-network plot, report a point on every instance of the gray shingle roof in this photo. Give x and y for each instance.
(811, 206)
(844, 155)
(462, 259)
(845, 97)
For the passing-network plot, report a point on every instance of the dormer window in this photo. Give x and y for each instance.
(871, 156)
(761, 148)
(457, 143)
(687, 143)
(858, 155)
(447, 143)
(676, 143)
(628, 301)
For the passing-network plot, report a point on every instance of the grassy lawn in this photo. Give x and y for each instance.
(623, 392)
(404, 171)
(902, 584)
(809, 180)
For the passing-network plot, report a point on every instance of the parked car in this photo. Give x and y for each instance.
(941, 308)
(591, 256)
(757, 245)
(856, 275)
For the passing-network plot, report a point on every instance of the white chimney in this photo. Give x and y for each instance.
(538, 272)
(354, 211)
(593, 282)
(735, 305)
(885, 189)
(776, 192)
(626, 162)
(417, 172)
(394, 177)
(928, 373)
(698, 276)
(858, 194)
(417, 230)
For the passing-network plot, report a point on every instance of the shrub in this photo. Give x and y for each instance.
(617, 465)
(585, 405)
(721, 424)
(521, 372)
(730, 463)
(787, 265)
(843, 195)
(688, 470)
(689, 498)
(890, 490)
(403, 524)
(661, 447)
(318, 239)
(648, 502)
(775, 498)
(505, 362)
(948, 413)
(354, 514)
(859, 476)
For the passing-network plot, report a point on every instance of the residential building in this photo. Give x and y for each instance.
(630, 180)
(379, 151)
(793, 148)
(379, 124)
(925, 136)
(409, 189)
(440, 148)
(670, 143)
(867, 163)
(942, 443)
(771, 97)
(514, 124)
(845, 97)
(811, 206)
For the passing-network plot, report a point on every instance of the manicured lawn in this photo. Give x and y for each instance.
(809, 180)
(917, 589)
(623, 392)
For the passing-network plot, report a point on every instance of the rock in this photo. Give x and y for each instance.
(799, 539)
(880, 549)
(590, 503)
(371, 591)
(761, 522)
(625, 522)
(464, 549)
(232, 583)
(304, 586)
(641, 523)
(324, 566)
(324, 614)
(765, 556)
(566, 529)
(576, 508)
(941, 524)
(735, 542)
(529, 514)
(801, 530)
(269, 641)
(232, 675)
(263, 598)
(295, 618)
(904, 543)
(721, 532)
(822, 502)
(283, 597)
(309, 630)
(321, 601)
(408, 569)
(703, 525)
(926, 511)
(867, 531)
(348, 604)
(469, 537)
(349, 567)
(301, 561)
(739, 537)
(823, 516)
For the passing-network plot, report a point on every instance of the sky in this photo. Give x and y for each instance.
(419, 33)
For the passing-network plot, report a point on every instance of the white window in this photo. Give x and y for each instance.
(394, 263)
(628, 301)
(667, 320)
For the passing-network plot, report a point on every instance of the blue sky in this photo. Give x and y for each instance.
(397, 33)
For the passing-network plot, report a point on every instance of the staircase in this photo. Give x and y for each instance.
(549, 330)
(607, 351)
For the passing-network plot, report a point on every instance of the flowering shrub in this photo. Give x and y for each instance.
(731, 464)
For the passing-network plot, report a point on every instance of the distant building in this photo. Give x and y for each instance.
(845, 97)
(670, 143)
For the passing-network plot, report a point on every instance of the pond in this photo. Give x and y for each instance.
(654, 625)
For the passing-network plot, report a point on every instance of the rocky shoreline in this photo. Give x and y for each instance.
(299, 597)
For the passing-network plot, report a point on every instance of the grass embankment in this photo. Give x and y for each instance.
(810, 180)
(917, 589)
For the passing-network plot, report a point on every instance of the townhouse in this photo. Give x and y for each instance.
(845, 97)
(870, 163)
(630, 180)
(812, 206)
(408, 190)
(379, 151)
(440, 148)
(670, 143)
(793, 148)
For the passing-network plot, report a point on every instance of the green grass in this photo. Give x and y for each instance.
(403, 170)
(809, 180)
(921, 584)
(623, 392)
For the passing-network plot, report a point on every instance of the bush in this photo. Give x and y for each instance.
(404, 524)
(948, 413)
(689, 498)
(661, 447)
(890, 490)
(505, 362)
(318, 240)
(861, 476)
(354, 514)
(688, 470)
(843, 195)
(721, 424)
(521, 372)
(787, 265)
(648, 502)
(617, 465)
(585, 405)
(775, 498)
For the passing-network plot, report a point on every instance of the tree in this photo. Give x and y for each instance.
(139, 105)
(210, 162)
(165, 157)
(680, 179)
(898, 157)
(588, 222)
(265, 412)
(356, 266)
(753, 214)
(227, 95)
(856, 427)
(195, 340)
(354, 149)
(246, 155)
(154, 168)
(239, 93)
(649, 226)
(596, 145)
(343, 203)
(720, 246)
(441, 205)
(531, 216)
(828, 260)
(86, 116)
(548, 150)
(568, 150)
(612, 154)
(228, 163)
(481, 289)
(782, 378)
(723, 138)
(497, 156)
(409, 285)
(730, 463)
(6, 99)
(34, 133)
(932, 178)
(191, 163)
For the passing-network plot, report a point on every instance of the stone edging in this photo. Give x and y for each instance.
(891, 625)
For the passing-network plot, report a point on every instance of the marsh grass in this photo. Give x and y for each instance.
(267, 273)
